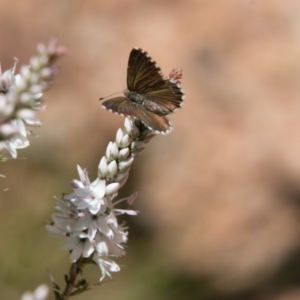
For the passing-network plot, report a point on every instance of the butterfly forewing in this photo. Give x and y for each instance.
(142, 71)
(121, 106)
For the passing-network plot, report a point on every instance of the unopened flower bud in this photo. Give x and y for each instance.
(102, 168)
(126, 163)
(119, 136)
(124, 153)
(112, 188)
(125, 141)
(112, 168)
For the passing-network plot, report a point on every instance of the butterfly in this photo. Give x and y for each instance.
(149, 96)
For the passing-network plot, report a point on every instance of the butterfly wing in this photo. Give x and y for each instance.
(144, 77)
(123, 106)
(142, 71)
(167, 96)
(153, 121)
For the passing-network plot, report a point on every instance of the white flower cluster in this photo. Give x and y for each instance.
(88, 216)
(40, 293)
(20, 96)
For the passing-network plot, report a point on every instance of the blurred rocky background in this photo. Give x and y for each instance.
(219, 197)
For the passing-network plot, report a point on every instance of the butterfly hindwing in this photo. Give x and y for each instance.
(123, 106)
(168, 96)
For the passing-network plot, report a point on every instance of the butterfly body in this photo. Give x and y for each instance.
(149, 97)
(134, 97)
(139, 99)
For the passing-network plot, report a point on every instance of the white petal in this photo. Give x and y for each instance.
(83, 236)
(83, 205)
(114, 267)
(41, 292)
(115, 249)
(88, 248)
(101, 246)
(20, 125)
(62, 221)
(94, 206)
(53, 230)
(12, 149)
(120, 236)
(37, 96)
(27, 296)
(83, 192)
(46, 72)
(25, 97)
(20, 141)
(76, 253)
(70, 243)
(83, 176)
(92, 231)
(75, 184)
(112, 188)
(127, 211)
(105, 265)
(35, 62)
(111, 265)
(21, 83)
(83, 223)
(103, 227)
(8, 130)
(25, 114)
(98, 188)
(33, 122)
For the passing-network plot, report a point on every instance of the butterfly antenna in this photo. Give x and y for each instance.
(102, 98)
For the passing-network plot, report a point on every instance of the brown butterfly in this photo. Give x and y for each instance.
(149, 97)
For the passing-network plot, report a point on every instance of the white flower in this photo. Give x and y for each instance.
(88, 216)
(88, 195)
(18, 140)
(93, 224)
(74, 244)
(106, 265)
(62, 225)
(7, 78)
(20, 94)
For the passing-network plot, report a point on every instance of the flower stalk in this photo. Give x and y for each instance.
(87, 218)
